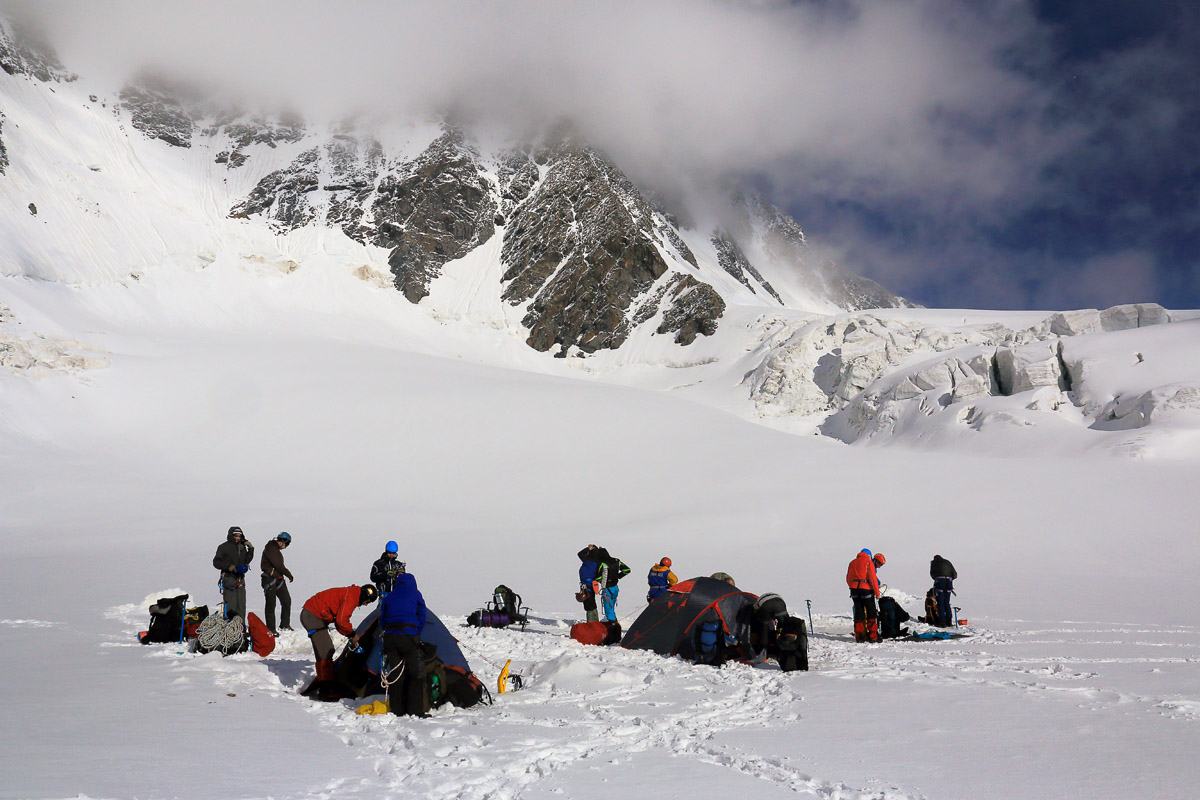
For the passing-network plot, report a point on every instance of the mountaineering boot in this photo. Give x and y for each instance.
(860, 631)
(873, 630)
(325, 688)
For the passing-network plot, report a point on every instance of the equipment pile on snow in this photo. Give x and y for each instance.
(504, 609)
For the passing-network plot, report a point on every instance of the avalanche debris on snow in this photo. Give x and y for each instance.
(41, 356)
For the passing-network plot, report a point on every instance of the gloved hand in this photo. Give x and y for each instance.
(290, 578)
(243, 569)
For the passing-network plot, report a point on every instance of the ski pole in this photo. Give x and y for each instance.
(810, 625)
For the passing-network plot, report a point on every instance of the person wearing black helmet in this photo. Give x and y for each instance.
(332, 607)
(233, 561)
(386, 568)
(274, 582)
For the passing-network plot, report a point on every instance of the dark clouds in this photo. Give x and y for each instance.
(989, 154)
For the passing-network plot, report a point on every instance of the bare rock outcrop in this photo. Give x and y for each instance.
(434, 209)
(157, 111)
(23, 51)
(577, 251)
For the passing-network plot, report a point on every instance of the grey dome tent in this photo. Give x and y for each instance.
(675, 621)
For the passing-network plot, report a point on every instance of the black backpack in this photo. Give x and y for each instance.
(618, 568)
(891, 616)
(167, 620)
(793, 645)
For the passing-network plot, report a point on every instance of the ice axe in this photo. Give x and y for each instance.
(509, 681)
(956, 610)
(810, 625)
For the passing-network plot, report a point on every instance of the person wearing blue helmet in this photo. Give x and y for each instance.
(386, 568)
(274, 582)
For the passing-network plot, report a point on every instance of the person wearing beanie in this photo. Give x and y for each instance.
(232, 560)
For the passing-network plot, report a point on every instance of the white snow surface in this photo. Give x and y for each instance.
(226, 400)
(154, 392)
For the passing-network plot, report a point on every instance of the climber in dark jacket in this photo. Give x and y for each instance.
(274, 582)
(386, 568)
(943, 574)
(402, 617)
(233, 560)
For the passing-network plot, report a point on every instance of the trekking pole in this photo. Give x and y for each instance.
(182, 625)
(810, 625)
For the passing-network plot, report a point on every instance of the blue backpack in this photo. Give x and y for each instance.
(707, 641)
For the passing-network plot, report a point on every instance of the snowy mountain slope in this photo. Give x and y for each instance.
(586, 257)
(332, 428)
(545, 242)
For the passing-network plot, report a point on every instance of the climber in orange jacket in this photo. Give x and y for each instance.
(864, 588)
(332, 607)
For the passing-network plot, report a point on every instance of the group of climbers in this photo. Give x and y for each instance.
(863, 580)
(402, 607)
(402, 611)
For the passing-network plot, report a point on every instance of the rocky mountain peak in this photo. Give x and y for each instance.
(23, 51)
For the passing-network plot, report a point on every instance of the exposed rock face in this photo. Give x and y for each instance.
(23, 52)
(430, 210)
(158, 113)
(578, 250)
(586, 255)
(282, 196)
(434, 209)
(734, 261)
(3, 152)
(518, 174)
(243, 133)
(695, 309)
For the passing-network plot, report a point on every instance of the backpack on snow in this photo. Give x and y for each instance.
(167, 621)
(891, 616)
(446, 683)
(792, 641)
(708, 643)
(930, 617)
(504, 609)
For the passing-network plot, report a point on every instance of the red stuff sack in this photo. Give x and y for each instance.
(597, 633)
(261, 640)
